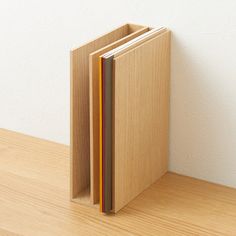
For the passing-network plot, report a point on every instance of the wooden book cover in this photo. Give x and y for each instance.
(140, 118)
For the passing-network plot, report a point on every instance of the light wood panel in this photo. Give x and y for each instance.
(80, 141)
(94, 108)
(7, 233)
(35, 199)
(141, 111)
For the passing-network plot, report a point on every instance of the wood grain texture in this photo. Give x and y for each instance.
(35, 199)
(7, 233)
(80, 141)
(94, 107)
(141, 117)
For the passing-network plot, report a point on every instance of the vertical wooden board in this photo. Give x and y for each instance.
(141, 110)
(94, 107)
(80, 142)
(80, 161)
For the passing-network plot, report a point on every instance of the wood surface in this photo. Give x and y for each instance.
(141, 117)
(7, 233)
(35, 199)
(94, 107)
(80, 141)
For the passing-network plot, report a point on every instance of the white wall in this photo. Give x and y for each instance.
(35, 39)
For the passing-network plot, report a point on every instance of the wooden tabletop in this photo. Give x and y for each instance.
(34, 199)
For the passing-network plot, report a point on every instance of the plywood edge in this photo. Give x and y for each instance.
(73, 164)
(71, 127)
(91, 128)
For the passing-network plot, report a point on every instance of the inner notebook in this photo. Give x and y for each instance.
(106, 119)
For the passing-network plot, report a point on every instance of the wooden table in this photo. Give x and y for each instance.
(34, 199)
